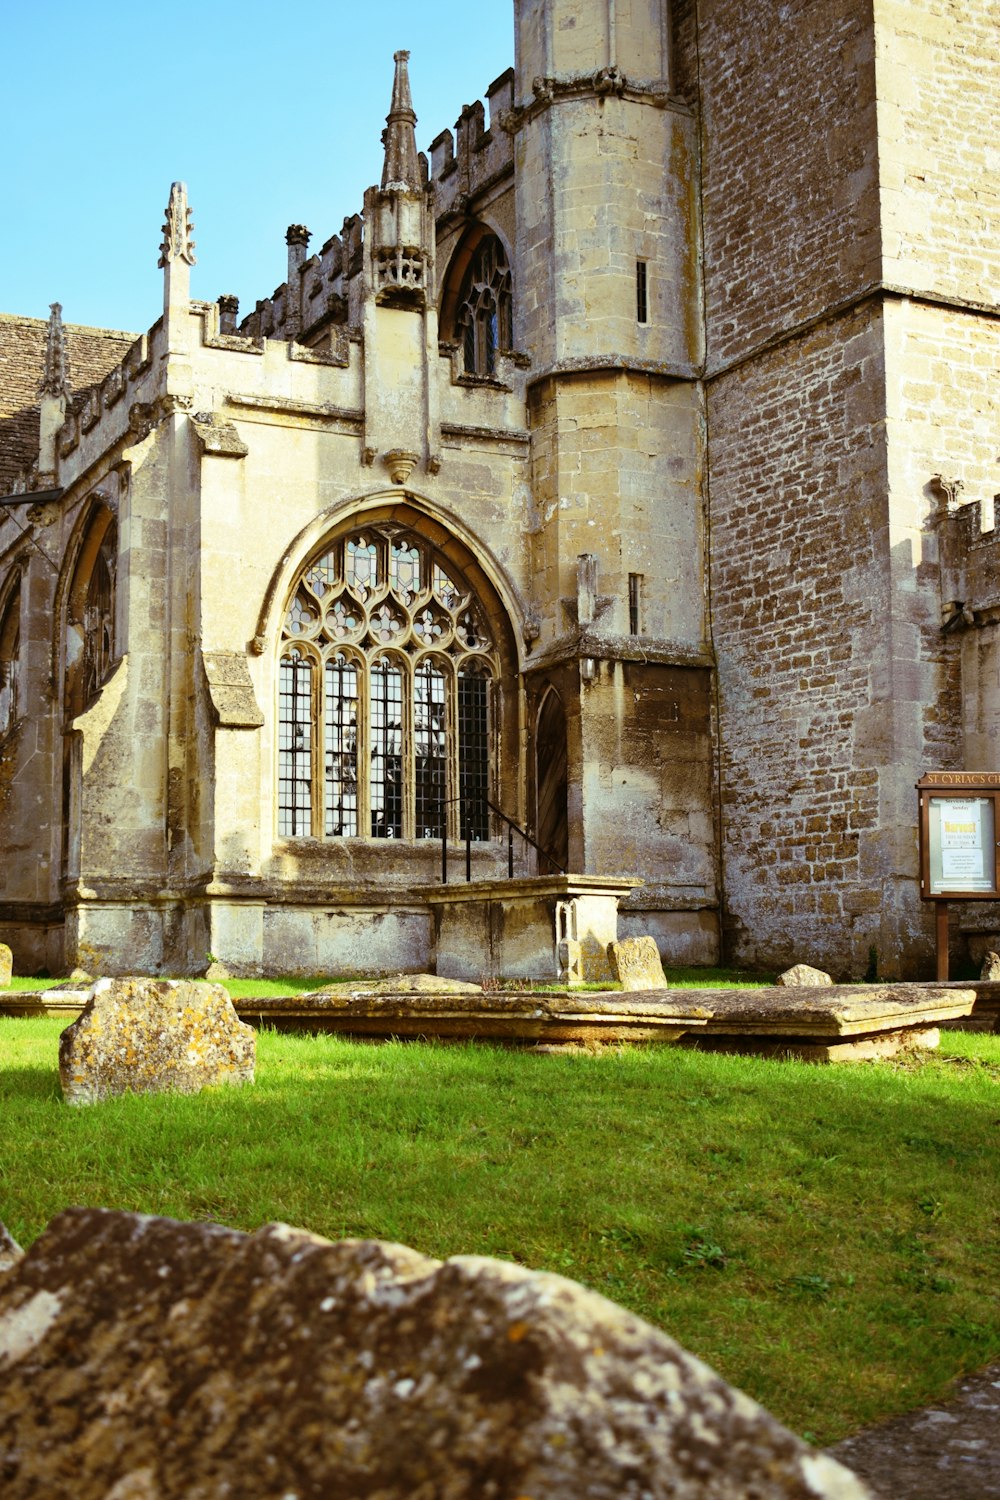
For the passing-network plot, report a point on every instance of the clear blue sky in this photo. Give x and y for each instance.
(270, 113)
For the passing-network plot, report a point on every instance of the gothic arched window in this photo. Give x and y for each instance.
(483, 322)
(384, 694)
(476, 301)
(10, 659)
(90, 632)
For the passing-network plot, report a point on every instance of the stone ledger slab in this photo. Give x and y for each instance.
(147, 1358)
(154, 1035)
(469, 1013)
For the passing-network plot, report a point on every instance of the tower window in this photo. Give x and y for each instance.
(483, 324)
(641, 292)
(634, 603)
(387, 663)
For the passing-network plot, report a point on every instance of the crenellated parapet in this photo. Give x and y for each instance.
(322, 296)
(970, 556)
(475, 158)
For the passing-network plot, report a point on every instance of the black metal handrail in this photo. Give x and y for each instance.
(512, 828)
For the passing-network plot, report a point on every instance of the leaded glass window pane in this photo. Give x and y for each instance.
(404, 569)
(321, 576)
(386, 776)
(483, 321)
(341, 748)
(367, 741)
(295, 746)
(474, 751)
(362, 565)
(429, 749)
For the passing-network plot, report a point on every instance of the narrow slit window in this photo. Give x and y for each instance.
(634, 603)
(641, 292)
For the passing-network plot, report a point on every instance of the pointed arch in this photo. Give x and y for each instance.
(552, 779)
(11, 688)
(476, 309)
(397, 673)
(89, 633)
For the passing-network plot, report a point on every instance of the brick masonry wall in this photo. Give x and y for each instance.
(938, 81)
(800, 610)
(93, 353)
(790, 189)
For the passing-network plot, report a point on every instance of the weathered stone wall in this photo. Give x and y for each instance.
(938, 78)
(799, 605)
(790, 165)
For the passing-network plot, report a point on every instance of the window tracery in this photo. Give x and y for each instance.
(483, 320)
(386, 671)
(90, 634)
(10, 660)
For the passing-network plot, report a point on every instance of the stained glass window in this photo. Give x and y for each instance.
(405, 732)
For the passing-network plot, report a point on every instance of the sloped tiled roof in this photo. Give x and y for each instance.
(93, 353)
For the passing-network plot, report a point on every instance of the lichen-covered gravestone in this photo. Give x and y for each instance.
(635, 963)
(10, 1250)
(154, 1035)
(6, 966)
(145, 1358)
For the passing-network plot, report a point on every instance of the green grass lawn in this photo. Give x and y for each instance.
(827, 1238)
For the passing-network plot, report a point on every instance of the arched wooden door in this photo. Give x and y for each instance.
(551, 780)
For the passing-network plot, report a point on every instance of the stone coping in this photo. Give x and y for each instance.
(530, 888)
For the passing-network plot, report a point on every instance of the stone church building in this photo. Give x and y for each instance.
(623, 471)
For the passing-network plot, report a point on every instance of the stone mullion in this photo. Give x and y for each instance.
(452, 787)
(407, 757)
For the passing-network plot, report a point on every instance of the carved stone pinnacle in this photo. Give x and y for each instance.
(177, 229)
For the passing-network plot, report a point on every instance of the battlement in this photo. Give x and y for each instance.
(970, 556)
(323, 293)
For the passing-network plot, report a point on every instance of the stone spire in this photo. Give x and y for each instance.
(55, 375)
(401, 172)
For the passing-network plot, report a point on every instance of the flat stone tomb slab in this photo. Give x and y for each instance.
(507, 1015)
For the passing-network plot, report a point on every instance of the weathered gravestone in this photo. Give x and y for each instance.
(149, 1358)
(154, 1035)
(803, 974)
(6, 966)
(10, 1250)
(635, 963)
(991, 966)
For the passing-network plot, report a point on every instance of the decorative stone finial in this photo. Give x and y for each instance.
(401, 172)
(55, 374)
(177, 229)
(297, 234)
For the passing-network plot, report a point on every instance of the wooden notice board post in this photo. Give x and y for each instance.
(959, 820)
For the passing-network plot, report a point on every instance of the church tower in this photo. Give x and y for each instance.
(608, 306)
